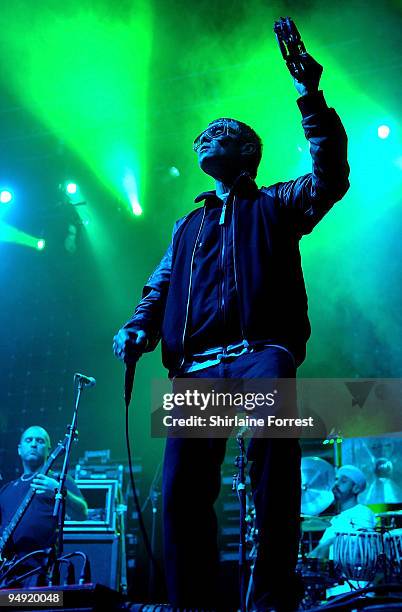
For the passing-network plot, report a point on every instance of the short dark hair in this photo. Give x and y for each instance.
(249, 135)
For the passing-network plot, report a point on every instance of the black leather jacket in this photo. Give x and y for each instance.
(267, 226)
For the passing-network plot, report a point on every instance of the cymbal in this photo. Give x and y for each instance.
(389, 513)
(324, 517)
(383, 490)
(317, 477)
(314, 523)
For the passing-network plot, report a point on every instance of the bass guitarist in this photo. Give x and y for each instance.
(37, 528)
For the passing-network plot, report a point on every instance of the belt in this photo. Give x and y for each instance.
(216, 355)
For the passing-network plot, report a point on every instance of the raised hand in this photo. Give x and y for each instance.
(305, 70)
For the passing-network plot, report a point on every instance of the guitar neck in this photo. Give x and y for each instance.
(22, 508)
(12, 525)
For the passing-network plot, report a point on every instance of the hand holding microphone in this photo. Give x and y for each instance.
(128, 346)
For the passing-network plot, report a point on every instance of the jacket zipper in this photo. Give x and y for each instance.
(190, 283)
(245, 342)
(223, 213)
(223, 267)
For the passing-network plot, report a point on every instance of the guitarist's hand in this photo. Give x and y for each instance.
(44, 485)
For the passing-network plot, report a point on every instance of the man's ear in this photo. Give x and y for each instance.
(356, 489)
(248, 148)
(19, 449)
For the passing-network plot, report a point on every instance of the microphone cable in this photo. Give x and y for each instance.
(129, 380)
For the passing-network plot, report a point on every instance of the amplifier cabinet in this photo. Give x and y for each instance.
(104, 500)
(104, 553)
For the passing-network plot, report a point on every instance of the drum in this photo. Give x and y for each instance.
(393, 551)
(356, 554)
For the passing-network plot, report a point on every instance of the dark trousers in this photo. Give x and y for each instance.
(191, 484)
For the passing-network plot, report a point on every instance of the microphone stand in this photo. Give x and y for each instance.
(239, 485)
(59, 508)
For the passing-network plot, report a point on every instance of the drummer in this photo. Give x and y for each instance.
(349, 483)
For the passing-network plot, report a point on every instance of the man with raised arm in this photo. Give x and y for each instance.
(228, 301)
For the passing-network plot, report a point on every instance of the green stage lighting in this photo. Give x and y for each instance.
(131, 188)
(11, 234)
(137, 210)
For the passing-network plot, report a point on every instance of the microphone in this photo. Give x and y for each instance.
(129, 382)
(87, 381)
(130, 360)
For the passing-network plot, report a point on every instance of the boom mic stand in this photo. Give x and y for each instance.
(80, 382)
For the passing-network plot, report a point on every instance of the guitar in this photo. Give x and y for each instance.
(13, 524)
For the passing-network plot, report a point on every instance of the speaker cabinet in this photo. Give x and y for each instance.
(104, 553)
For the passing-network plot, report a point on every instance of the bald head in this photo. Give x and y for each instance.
(34, 448)
(36, 430)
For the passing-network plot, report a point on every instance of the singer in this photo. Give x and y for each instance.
(228, 301)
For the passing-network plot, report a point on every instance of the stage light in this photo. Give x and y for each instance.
(40, 245)
(174, 172)
(137, 210)
(6, 196)
(130, 186)
(71, 188)
(383, 131)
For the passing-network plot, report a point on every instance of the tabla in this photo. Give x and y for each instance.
(356, 554)
(393, 551)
